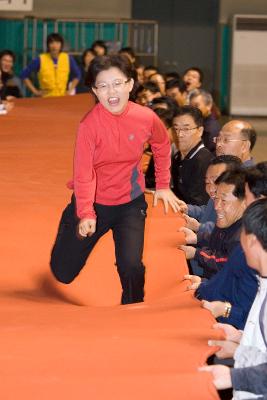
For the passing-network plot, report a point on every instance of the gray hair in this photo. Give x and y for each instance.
(207, 97)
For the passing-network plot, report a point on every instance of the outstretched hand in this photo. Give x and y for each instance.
(168, 198)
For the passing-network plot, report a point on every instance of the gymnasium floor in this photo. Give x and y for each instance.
(76, 341)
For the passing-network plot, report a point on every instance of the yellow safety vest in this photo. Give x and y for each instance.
(53, 78)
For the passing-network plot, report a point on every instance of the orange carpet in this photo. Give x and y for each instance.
(51, 347)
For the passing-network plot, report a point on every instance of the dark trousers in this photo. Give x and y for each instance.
(127, 222)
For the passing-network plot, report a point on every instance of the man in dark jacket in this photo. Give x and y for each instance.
(190, 163)
(229, 206)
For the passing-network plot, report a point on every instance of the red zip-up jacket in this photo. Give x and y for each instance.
(108, 153)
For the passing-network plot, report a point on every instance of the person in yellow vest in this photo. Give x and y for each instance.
(57, 71)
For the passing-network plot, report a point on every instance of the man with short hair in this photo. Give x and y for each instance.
(238, 138)
(190, 163)
(229, 206)
(146, 93)
(193, 78)
(149, 71)
(54, 68)
(203, 100)
(176, 89)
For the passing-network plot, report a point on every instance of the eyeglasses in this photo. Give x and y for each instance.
(118, 84)
(184, 130)
(225, 140)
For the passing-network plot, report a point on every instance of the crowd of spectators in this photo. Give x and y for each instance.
(222, 194)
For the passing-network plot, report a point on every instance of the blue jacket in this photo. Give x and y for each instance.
(236, 282)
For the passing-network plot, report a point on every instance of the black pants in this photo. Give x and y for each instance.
(127, 222)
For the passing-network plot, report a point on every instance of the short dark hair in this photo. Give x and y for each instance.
(128, 50)
(255, 221)
(170, 103)
(172, 75)
(100, 43)
(54, 37)
(176, 83)
(7, 52)
(193, 112)
(197, 69)
(151, 86)
(165, 115)
(103, 63)
(206, 96)
(256, 178)
(250, 134)
(234, 177)
(231, 161)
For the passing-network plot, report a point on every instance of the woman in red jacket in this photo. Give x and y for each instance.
(108, 179)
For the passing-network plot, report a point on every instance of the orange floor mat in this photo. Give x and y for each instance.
(53, 348)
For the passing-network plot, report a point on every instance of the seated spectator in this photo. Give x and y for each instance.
(203, 100)
(200, 218)
(229, 205)
(238, 138)
(10, 84)
(148, 71)
(190, 163)
(193, 78)
(249, 347)
(99, 47)
(146, 93)
(159, 80)
(87, 56)
(236, 282)
(54, 69)
(176, 89)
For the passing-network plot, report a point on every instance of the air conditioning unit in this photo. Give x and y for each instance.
(248, 84)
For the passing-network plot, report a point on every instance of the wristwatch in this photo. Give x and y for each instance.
(227, 309)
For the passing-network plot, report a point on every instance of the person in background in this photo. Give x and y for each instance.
(190, 163)
(164, 102)
(54, 69)
(193, 78)
(172, 75)
(87, 57)
(148, 71)
(140, 73)
(160, 81)
(128, 52)
(99, 48)
(203, 100)
(176, 89)
(146, 93)
(237, 138)
(10, 84)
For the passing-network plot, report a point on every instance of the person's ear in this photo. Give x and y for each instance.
(94, 91)
(200, 130)
(131, 84)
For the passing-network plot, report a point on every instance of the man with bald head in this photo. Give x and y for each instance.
(237, 138)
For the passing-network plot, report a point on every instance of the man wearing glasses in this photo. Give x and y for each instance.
(237, 138)
(190, 163)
